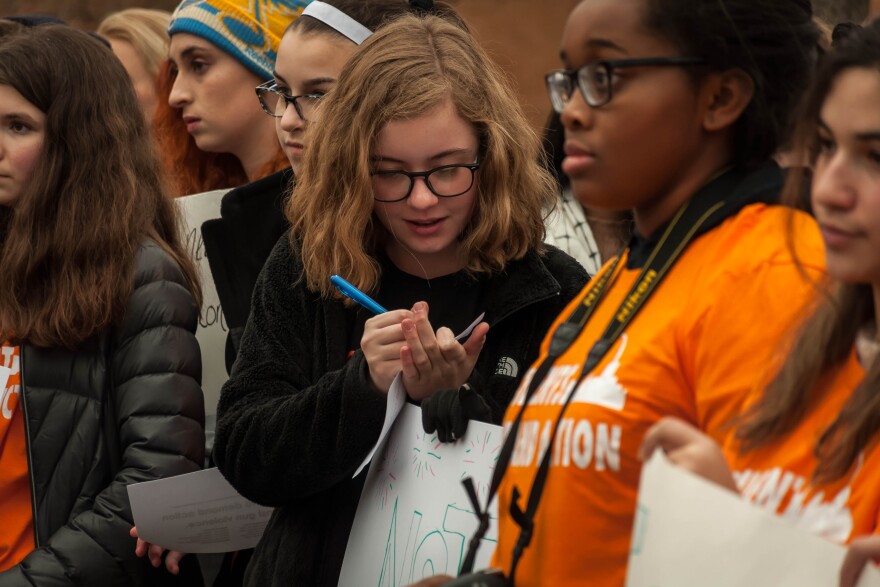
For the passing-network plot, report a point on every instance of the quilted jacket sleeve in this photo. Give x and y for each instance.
(155, 372)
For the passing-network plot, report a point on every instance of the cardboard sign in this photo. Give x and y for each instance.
(212, 330)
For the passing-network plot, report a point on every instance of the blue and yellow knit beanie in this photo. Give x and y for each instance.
(249, 30)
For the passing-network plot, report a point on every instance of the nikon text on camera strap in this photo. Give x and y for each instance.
(695, 217)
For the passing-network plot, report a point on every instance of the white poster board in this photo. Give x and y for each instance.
(414, 519)
(396, 399)
(211, 332)
(689, 531)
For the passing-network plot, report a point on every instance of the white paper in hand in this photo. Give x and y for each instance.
(689, 531)
(197, 512)
(396, 399)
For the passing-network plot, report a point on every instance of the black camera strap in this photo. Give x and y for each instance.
(695, 217)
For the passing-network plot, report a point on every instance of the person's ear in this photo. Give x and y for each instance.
(726, 95)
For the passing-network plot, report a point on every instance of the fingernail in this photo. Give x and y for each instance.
(407, 325)
(444, 335)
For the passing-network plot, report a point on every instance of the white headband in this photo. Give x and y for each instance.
(338, 21)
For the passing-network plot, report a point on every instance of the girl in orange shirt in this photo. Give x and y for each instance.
(673, 109)
(807, 446)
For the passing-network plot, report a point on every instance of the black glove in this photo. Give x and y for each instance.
(448, 411)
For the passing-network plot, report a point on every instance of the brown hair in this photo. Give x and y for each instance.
(407, 68)
(190, 169)
(8, 27)
(95, 194)
(827, 339)
(370, 13)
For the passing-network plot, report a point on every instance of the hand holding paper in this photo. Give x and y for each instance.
(689, 448)
(862, 552)
(436, 361)
(198, 512)
(435, 581)
(154, 553)
(397, 399)
(691, 532)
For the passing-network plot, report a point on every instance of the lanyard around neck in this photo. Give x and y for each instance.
(688, 221)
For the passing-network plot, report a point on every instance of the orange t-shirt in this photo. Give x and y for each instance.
(778, 476)
(695, 351)
(17, 528)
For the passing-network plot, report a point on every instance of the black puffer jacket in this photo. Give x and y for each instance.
(296, 417)
(149, 368)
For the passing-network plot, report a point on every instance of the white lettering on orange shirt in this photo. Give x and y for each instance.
(829, 517)
(11, 362)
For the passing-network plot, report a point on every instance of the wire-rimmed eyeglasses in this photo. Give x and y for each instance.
(274, 102)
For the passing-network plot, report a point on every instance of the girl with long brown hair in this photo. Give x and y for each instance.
(807, 446)
(421, 185)
(98, 307)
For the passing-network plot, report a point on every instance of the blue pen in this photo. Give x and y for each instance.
(350, 291)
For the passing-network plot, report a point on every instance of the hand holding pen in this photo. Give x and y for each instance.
(383, 336)
(404, 340)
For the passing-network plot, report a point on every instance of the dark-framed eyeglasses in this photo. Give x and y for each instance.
(596, 80)
(446, 181)
(274, 102)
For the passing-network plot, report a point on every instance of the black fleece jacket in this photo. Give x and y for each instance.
(298, 416)
(144, 376)
(238, 243)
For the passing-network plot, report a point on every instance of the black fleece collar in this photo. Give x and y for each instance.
(249, 198)
(524, 282)
(741, 186)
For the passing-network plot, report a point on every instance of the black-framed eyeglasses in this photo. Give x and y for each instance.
(446, 181)
(595, 80)
(274, 102)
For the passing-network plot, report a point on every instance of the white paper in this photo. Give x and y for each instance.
(197, 512)
(394, 402)
(212, 329)
(689, 531)
(396, 398)
(414, 518)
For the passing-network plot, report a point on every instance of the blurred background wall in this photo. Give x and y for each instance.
(835, 11)
(522, 35)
